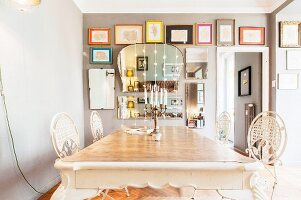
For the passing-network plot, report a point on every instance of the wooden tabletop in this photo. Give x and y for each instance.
(178, 144)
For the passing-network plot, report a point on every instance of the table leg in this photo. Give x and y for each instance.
(258, 186)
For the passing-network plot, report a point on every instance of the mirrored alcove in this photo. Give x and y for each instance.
(141, 65)
(195, 105)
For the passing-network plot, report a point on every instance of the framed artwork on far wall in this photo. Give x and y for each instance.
(244, 81)
(179, 34)
(293, 59)
(251, 35)
(290, 34)
(142, 63)
(288, 81)
(128, 34)
(225, 32)
(100, 55)
(99, 36)
(154, 31)
(204, 33)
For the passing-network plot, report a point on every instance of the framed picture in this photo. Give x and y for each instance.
(128, 33)
(293, 59)
(179, 34)
(99, 36)
(244, 82)
(200, 97)
(142, 63)
(251, 35)
(225, 32)
(130, 88)
(100, 55)
(204, 33)
(154, 31)
(174, 102)
(141, 100)
(290, 34)
(171, 70)
(288, 81)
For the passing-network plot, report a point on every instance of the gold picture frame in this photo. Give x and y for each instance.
(126, 34)
(290, 38)
(154, 31)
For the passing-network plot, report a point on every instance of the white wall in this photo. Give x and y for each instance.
(41, 58)
(288, 101)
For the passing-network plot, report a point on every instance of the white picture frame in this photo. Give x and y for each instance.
(288, 81)
(293, 59)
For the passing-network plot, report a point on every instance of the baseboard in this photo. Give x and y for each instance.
(45, 188)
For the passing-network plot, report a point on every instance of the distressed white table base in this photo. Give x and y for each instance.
(82, 180)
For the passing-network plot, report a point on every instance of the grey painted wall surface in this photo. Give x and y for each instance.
(41, 59)
(108, 20)
(243, 60)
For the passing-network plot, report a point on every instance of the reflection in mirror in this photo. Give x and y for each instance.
(144, 64)
(195, 105)
(130, 107)
(196, 63)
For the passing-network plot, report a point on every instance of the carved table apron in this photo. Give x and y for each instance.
(182, 158)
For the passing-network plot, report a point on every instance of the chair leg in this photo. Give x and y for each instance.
(127, 191)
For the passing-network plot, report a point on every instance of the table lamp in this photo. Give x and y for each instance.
(131, 105)
(130, 74)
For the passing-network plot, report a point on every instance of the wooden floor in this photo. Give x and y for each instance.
(288, 188)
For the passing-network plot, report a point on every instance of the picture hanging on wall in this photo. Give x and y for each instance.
(142, 63)
(293, 59)
(288, 81)
(99, 36)
(225, 32)
(128, 34)
(204, 33)
(290, 34)
(154, 31)
(100, 55)
(251, 35)
(179, 34)
(244, 82)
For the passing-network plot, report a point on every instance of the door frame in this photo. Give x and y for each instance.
(265, 70)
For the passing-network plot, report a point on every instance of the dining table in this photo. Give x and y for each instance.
(182, 158)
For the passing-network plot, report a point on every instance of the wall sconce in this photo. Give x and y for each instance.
(130, 74)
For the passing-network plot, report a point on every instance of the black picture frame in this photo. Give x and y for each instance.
(141, 100)
(140, 65)
(170, 28)
(245, 81)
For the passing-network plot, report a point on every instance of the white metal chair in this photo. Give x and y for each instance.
(267, 140)
(97, 133)
(96, 126)
(223, 127)
(64, 135)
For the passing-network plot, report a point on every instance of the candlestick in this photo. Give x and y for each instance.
(165, 97)
(145, 95)
(156, 97)
(161, 96)
(151, 96)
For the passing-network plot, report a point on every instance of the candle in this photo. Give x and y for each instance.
(145, 95)
(156, 97)
(151, 96)
(165, 97)
(161, 96)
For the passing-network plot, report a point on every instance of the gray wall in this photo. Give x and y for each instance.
(41, 59)
(108, 20)
(243, 60)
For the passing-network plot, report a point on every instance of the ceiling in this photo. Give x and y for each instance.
(178, 6)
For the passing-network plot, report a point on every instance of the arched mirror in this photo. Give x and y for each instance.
(141, 65)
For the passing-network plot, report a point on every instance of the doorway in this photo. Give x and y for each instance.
(231, 61)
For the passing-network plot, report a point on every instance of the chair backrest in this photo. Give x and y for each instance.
(223, 127)
(267, 137)
(64, 135)
(96, 126)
